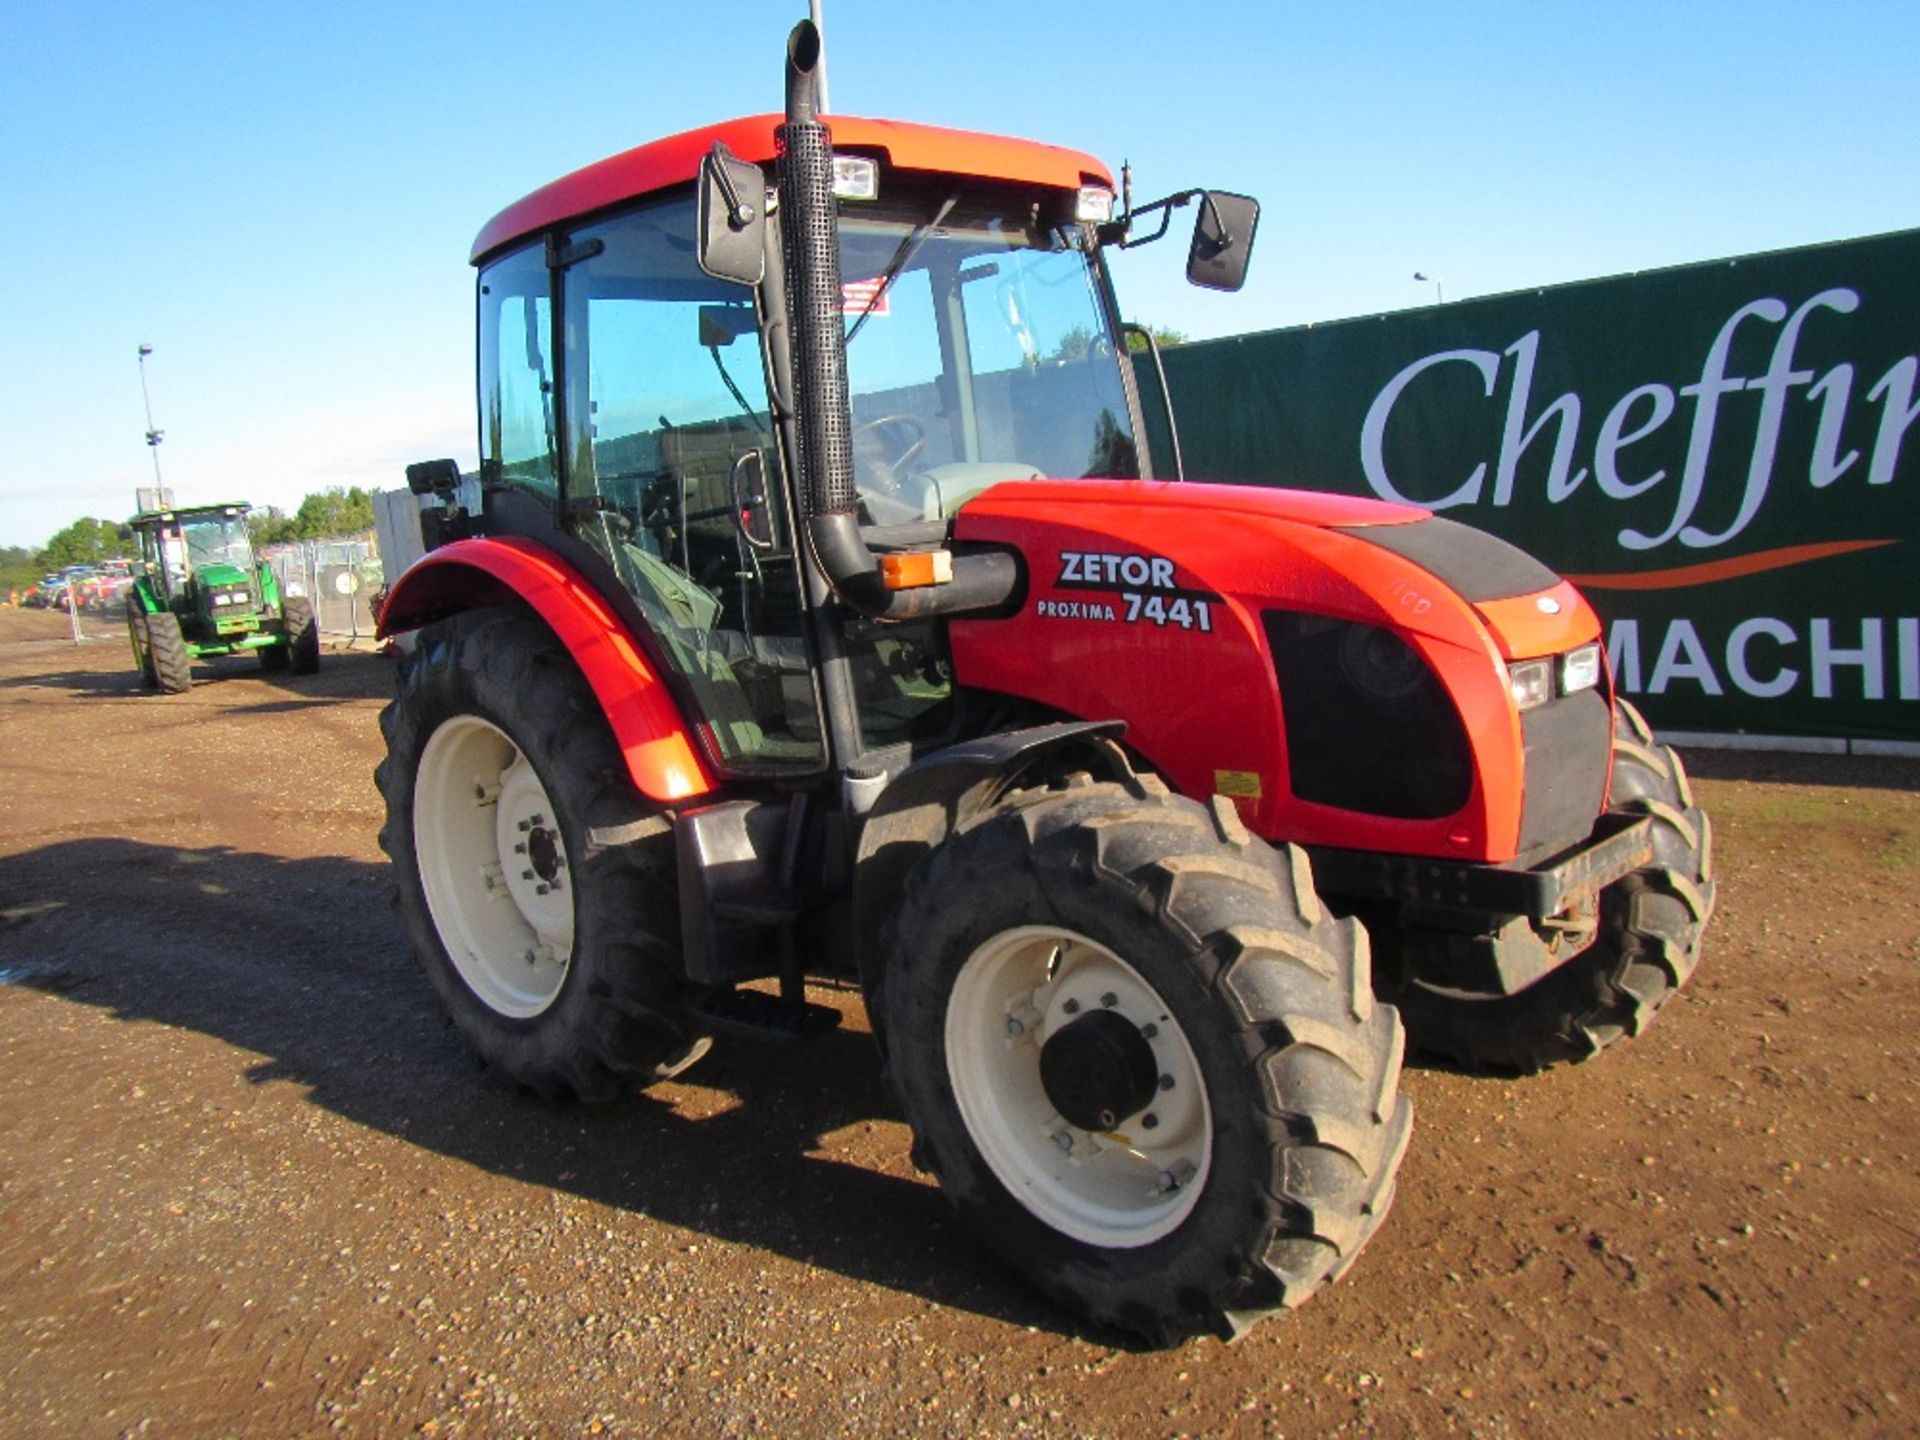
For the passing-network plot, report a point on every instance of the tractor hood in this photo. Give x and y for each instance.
(222, 575)
(1187, 609)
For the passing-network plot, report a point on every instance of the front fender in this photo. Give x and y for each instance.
(662, 758)
(924, 803)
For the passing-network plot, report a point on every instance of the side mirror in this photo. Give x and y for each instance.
(733, 219)
(1222, 240)
(434, 477)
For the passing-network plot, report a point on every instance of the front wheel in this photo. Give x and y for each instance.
(1651, 924)
(537, 887)
(1147, 1068)
(167, 653)
(137, 638)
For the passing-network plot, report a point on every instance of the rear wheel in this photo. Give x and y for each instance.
(302, 633)
(1648, 943)
(1145, 1065)
(167, 653)
(537, 886)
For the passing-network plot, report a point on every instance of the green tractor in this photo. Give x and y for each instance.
(201, 592)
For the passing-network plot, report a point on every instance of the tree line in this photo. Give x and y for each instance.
(337, 510)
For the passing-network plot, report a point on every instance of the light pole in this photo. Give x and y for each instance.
(820, 24)
(154, 437)
(1439, 296)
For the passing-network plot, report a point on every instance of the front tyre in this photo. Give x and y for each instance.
(167, 653)
(1652, 922)
(137, 638)
(552, 951)
(1147, 1068)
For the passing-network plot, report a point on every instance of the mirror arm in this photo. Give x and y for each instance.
(739, 213)
(1120, 232)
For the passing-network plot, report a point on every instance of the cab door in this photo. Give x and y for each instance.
(667, 434)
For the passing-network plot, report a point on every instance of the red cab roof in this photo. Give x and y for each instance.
(676, 161)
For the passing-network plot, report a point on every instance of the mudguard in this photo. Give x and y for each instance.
(662, 757)
(937, 792)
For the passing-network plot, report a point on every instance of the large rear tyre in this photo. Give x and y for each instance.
(1146, 1066)
(537, 886)
(302, 633)
(1647, 946)
(167, 653)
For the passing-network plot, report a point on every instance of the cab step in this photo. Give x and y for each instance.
(759, 1015)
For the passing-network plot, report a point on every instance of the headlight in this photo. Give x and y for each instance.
(1531, 682)
(1580, 669)
(223, 599)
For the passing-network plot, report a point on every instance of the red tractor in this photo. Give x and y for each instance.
(817, 613)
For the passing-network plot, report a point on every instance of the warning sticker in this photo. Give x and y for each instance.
(856, 296)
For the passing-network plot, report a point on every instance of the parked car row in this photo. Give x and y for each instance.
(93, 587)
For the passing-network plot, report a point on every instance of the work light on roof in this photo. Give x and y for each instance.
(1094, 206)
(856, 178)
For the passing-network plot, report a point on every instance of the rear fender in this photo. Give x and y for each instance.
(662, 758)
(941, 791)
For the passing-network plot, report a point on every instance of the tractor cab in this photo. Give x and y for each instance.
(199, 556)
(639, 406)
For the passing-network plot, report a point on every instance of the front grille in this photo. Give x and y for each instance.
(1568, 743)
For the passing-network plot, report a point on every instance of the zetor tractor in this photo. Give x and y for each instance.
(200, 592)
(817, 614)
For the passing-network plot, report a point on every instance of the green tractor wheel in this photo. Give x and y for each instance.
(302, 649)
(137, 637)
(167, 653)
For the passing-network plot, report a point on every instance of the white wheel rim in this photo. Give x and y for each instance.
(494, 866)
(1118, 1189)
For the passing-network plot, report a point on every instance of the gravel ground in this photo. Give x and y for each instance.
(252, 1185)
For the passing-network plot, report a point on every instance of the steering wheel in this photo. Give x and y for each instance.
(908, 436)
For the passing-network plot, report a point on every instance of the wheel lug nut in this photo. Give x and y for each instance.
(540, 889)
(1109, 1000)
(526, 874)
(1149, 1030)
(1166, 1082)
(520, 848)
(1149, 1121)
(524, 826)
(1072, 1007)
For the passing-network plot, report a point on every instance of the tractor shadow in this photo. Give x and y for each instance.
(303, 961)
(345, 675)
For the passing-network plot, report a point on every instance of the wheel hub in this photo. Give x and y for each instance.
(493, 862)
(1098, 1070)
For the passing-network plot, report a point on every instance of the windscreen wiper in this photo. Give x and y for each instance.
(901, 256)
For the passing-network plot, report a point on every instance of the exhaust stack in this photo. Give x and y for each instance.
(825, 422)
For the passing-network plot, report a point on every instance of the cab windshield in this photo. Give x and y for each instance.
(978, 349)
(215, 541)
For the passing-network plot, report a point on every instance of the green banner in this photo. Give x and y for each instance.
(1721, 455)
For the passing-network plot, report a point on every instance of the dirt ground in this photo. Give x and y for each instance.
(250, 1184)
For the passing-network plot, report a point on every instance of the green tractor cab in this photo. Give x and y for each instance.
(200, 592)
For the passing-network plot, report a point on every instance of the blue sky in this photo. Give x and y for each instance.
(280, 199)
